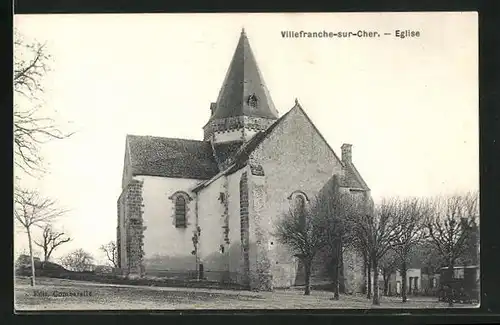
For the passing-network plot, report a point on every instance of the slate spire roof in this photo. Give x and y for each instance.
(243, 92)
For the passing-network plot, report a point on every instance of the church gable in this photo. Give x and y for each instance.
(295, 139)
(297, 119)
(290, 127)
(127, 167)
(294, 124)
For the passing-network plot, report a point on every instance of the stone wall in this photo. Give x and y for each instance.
(259, 225)
(232, 124)
(120, 230)
(133, 225)
(225, 242)
(244, 234)
(353, 272)
(294, 157)
(118, 244)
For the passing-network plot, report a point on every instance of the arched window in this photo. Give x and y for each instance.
(180, 212)
(298, 204)
(180, 207)
(299, 207)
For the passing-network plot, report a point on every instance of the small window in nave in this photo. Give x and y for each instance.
(180, 212)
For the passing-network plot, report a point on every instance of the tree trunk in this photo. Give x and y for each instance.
(336, 288)
(403, 281)
(369, 280)
(31, 257)
(386, 275)
(336, 284)
(307, 268)
(341, 275)
(365, 277)
(451, 290)
(376, 298)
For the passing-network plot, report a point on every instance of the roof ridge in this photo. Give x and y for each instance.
(163, 138)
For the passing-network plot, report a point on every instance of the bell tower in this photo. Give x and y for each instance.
(244, 105)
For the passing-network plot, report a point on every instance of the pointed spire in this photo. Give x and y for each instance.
(244, 92)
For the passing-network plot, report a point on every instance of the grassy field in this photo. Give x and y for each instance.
(59, 294)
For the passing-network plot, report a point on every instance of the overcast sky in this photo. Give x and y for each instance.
(409, 106)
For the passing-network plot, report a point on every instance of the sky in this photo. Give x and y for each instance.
(409, 106)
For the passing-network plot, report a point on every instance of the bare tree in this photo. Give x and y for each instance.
(111, 252)
(78, 261)
(367, 270)
(299, 229)
(410, 216)
(375, 230)
(429, 256)
(332, 208)
(449, 228)
(388, 265)
(31, 209)
(31, 128)
(51, 239)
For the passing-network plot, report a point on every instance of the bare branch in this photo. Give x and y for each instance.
(111, 251)
(51, 239)
(32, 209)
(30, 129)
(451, 224)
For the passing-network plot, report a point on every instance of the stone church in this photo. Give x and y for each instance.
(208, 207)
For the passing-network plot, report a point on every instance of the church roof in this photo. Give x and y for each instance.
(243, 92)
(348, 180)
(351, 178)
(226, 150)
(170, 157)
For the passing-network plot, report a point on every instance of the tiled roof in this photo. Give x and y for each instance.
(170, 157)
(183, 158)
(223, 151)
(352, 178)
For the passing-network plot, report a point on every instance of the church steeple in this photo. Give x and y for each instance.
(243, 95)
(244, 92)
